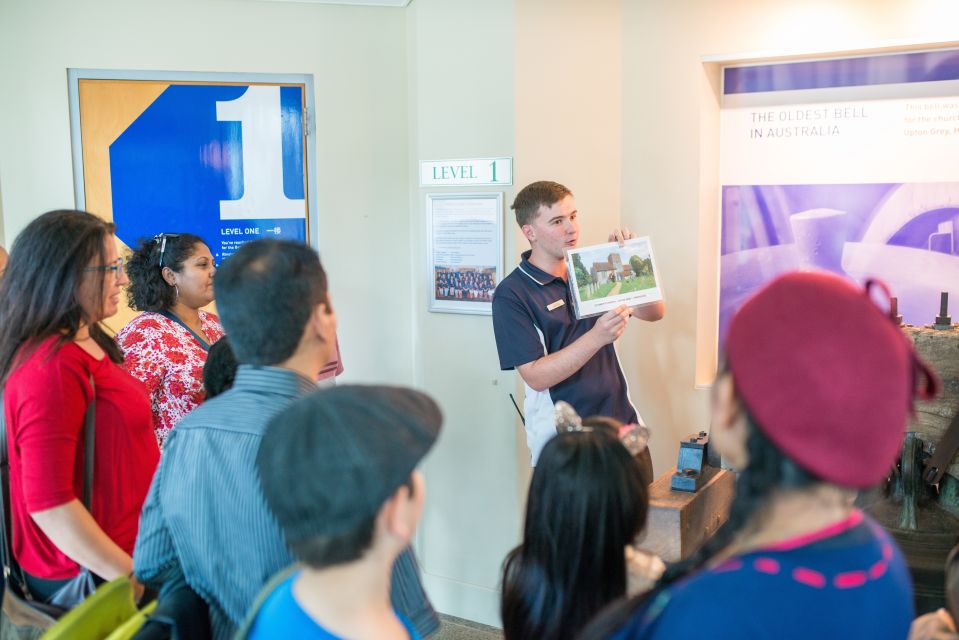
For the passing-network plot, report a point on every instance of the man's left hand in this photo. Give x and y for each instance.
(621, 235)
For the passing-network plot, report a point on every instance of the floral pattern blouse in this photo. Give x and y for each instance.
(169, 361)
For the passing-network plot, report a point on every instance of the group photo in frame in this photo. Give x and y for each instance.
(604, 276)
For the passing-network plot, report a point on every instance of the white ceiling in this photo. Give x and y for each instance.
(372, 3)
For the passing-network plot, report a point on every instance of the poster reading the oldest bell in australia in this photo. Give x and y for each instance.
(847, 165)
(220, 156)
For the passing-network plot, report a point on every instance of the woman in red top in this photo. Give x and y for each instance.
(165, 347)
(63, 278)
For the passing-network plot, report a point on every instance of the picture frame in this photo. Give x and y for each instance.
(603, 276)
(229, 157)
(465, 251)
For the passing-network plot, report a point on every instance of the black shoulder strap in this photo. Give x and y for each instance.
(172, 316)
(89, 442)
(7, 548)
(12, 573)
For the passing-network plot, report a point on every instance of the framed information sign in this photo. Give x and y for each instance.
(227, 157)
(465, 259)
(843, 164)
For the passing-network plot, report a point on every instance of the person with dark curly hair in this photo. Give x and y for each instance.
(171, 278)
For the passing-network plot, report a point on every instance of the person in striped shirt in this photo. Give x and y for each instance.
(205, 520)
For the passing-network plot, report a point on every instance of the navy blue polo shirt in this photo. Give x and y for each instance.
(533, 316)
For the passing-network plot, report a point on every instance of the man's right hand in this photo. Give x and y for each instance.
(611, 325)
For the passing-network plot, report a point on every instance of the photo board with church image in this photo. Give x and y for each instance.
(604, 276)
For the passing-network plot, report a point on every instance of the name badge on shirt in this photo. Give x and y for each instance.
(555, 305)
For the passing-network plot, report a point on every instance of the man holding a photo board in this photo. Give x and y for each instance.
(537, 332)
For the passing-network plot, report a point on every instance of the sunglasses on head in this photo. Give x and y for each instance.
(161, 238)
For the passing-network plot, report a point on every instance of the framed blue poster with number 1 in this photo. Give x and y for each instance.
(227, 157)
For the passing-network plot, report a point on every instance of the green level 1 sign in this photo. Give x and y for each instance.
(471, 172)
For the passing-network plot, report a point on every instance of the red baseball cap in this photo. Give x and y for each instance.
(827, 375)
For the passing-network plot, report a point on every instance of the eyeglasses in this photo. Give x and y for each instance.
(161, 238)
(116, 267)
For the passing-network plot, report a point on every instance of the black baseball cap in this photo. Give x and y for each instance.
(330, 460)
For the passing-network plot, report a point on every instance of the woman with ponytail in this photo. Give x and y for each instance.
(810, 407)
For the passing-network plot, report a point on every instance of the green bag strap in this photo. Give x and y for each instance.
(244, 631)
(129, 629)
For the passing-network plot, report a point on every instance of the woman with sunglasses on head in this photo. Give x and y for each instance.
(64, 278)
(171, 278)
(810, 406)
(587, 502)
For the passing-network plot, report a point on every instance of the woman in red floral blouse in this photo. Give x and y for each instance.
(171, 278)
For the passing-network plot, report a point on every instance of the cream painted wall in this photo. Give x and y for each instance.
(569, 107)
(357, 56)
(461, 106)
(670, 124)
(570, 81)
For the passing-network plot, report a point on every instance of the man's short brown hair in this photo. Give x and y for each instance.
(544, 193)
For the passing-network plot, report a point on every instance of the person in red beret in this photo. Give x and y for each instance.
(810, 406)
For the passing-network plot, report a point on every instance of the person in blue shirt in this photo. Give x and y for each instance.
(338, 470)
(810, 406)
(537, 333)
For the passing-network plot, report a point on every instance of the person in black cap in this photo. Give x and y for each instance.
(338, 470)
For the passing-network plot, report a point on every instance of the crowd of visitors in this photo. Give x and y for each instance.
(289, 510)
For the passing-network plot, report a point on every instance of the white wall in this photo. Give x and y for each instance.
(461, 106)
(357, 56)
